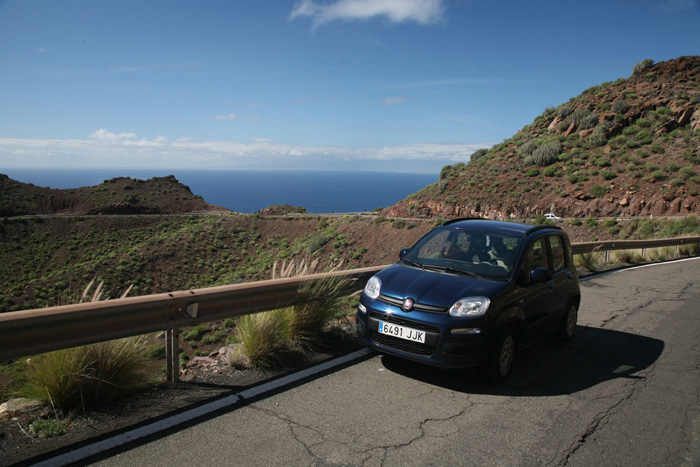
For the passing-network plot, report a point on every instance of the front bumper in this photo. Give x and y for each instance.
(449, 342)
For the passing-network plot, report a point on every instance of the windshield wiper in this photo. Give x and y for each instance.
(413, 263)
(459, 272)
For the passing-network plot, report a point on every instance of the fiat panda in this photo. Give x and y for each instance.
(471, 293)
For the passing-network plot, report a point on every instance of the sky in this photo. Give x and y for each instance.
(398, 85)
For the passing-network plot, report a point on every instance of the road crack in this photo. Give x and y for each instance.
(600, 420)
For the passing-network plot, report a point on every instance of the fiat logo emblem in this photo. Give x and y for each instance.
(408, 304)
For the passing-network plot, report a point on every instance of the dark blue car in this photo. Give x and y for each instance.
(471, 293)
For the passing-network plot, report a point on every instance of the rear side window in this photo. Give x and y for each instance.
(558, 254)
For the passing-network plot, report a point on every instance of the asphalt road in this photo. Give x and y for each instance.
(625, 391)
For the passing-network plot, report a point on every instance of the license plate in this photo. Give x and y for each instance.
(401, 332)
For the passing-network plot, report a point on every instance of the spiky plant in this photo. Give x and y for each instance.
(73, 379)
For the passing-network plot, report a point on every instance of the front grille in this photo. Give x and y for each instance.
(417, 306)
(402, 345)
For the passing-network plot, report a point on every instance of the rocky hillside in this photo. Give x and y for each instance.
(164, 195)
(625, 148)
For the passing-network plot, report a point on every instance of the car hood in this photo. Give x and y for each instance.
(434, 288)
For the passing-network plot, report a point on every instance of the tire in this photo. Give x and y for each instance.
(567, 329)
(497, 368)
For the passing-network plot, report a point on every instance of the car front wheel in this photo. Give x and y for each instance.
(501, 360)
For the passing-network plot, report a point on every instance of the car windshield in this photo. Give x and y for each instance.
(473, 253)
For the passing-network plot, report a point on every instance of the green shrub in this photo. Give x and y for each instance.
(229, 323)
(644, 137)
(545, 154)
(533, 172)
(195, 333)
(620, 106)
(587, 261)
(685, 227)
(599, 191)
(73, 379)
(479, 153)
(584, 119)
(316, 242)
(564, 111)
(686, 172)
(671, 167)
(48, 428)
(317, 303)
(527, 148)
(628, 257)
(541, 220)
(550, 171)
(446, 170)
(264, 337)
(598, 137)
(591, 222)
(642, 66)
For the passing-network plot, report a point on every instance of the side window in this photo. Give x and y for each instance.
(558, 254)
(536, 256)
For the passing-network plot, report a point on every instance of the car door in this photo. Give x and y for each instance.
(536, 297)
(562, 277)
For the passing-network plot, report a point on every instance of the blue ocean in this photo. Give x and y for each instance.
(248, 191)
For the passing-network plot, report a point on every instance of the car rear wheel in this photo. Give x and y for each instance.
(501, 360)
(567, 329)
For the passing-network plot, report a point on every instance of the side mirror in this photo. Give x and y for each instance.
(539, 275)
(403, 252)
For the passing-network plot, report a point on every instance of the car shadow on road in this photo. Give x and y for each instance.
(548, 368)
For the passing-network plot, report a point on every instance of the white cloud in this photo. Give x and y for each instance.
(387, 101)
(104, 149)
(232, 117)
(397, 11)
(228, 117)
(105, 135)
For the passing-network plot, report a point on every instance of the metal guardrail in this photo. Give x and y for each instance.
(612, 245)
(29, 332)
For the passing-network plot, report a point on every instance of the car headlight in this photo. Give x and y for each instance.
(470, 307)
(372, 288)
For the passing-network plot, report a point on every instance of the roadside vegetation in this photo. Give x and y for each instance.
(74, 380)
(275, 337)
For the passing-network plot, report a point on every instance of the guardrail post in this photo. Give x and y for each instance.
(172, 356)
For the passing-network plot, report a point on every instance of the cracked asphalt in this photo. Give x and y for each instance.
(625, 391)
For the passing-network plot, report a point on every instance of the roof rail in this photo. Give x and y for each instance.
(536, 228)
(460, 219)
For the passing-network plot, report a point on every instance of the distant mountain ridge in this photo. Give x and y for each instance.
(122, 195)
(624, 148)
